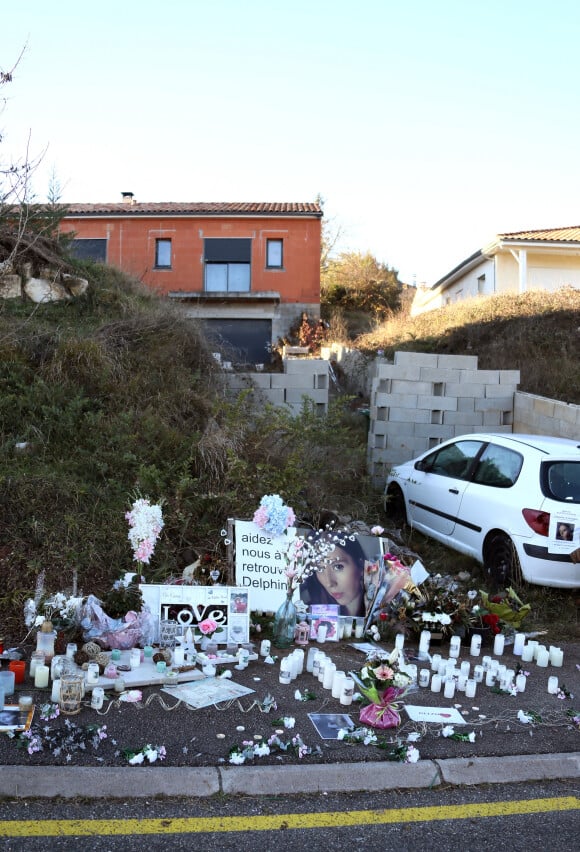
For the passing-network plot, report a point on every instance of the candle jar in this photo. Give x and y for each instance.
(424, 640)
(521, 683)
(7, 681)
(41, 676)
(475, 647)
(36, 659)
(527, 653)
(478, 673)
(178, 656)
(449, 688)
(470, 688)
(359, 628)
(337, 680)
(329, 671)
(347, 691)
(498, 644)
(25, 703)
(436, 683)
(519, 642)
(161, 665)
(556, 657)
(543, 657)
(454, 647)
(116, 655)
(71, 650)
(312, 652)
(45, 640)
(111, 671)
(424, 677)
(148, 652)
(322, 632)
(168, 632)
(93, 673)
(18, 671)
(97, 698)
(553, 685)
(55, 694)
(265, 646)
(119, 685)
(71, 694)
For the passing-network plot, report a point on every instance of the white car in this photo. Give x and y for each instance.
(512, 502)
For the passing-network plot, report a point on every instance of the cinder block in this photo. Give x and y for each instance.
(568, 413)
(458, 362)
(465, 404)
(275, 396)
(509, 377)
(411, 372)
(499, 391)
(305, 365)
(294, 396)
(441, 403)
(437, 374)
(492, 420)
(414, 388)
(404, 415)
(470, 419)
(261, 380)
(464, 389)
(432, 430)
(421, 359)
(480, 377)
(402, 400)
(544, 406)
(495, 404)
(281, 380)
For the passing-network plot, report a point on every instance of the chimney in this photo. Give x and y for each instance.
(128, 197)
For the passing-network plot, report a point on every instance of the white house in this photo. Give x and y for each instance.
(510, 263)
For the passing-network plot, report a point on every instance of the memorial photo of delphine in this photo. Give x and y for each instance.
(349, 571)
(564, 531)
(329, 724)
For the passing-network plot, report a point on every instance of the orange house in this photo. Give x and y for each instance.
(247, 270)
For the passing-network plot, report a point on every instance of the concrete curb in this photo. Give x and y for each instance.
(29, 782)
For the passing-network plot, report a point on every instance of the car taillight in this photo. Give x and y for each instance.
(537, 520)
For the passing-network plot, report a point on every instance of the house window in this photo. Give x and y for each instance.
(481, 285)
(274, 254)
(89, 249)
(227, 265)
(162, 254)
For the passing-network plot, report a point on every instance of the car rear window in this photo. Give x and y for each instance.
(498, 467)
(560, 480)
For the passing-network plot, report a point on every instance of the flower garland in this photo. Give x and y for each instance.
(250, 749)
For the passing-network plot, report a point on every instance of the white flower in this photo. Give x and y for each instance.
(472, 594)
(448, 731)
(137, 758)
(377, 530)
(524, 717)
(471, 737)
(151, 755)
(262, 750)
(298, 695)
(364, 673)
(412, 754)
(226, 674)
(400, 679)
(289, 722)
(237, 758)
(414, 737)
(341, 734)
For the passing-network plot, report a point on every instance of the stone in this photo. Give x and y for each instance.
(10, 287)
(40, 290)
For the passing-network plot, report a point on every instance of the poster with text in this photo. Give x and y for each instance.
(564, 531)
(228, 606)
(261, 564)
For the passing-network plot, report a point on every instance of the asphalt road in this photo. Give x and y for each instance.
(526, 817)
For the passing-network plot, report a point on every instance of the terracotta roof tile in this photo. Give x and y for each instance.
(552, 235)
(197, 208)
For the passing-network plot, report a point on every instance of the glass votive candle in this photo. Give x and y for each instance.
(424, 677)
(265, 646)
(93, 673)
(41, 676)
(449, 688)
(25, 703)
(161, 665)
(7, 680)
(97, 697)
(115, 655)
(178, 655)
(36, 659)
(119, 685)
(527, 653)
(321, 633)
(478, 674)
(435, 662)
(148, 652)
(18, 669)
(55, 693)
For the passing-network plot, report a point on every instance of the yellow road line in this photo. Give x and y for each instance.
(332, 819)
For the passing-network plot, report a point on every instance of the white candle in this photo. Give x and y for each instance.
(527, 653)
(55, 694)
(312, 652)
(543, 658)
(178, 656)
(478, 674)
(449, 689)
(424, 641)
(299, 654)
(347, 628)
(97, 698)
(486, 663)
(553, 685)
(41, 676)
(533, 643)
(454, 647)
(519, 642)
(399, 641)
(475, 647)
(436, 683)
(461, 682)
(318, 659)
(465, 667)
(538, 649)
(329, 671)
(347, 691)
(435, 662)
(489, 678)
(424, 677)
(337, 683)
(359, 628)
(265, 647)
(322, 631)
(521, 683)
(498, 644)
(323, 663)
(556, 657)
(470, 688)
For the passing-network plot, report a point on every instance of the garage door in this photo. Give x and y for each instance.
(243, 341)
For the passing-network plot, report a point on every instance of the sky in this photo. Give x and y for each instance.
(427, 126)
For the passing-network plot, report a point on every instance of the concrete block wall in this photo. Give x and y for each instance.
(302, 377)
(422, 399)
(538, 415)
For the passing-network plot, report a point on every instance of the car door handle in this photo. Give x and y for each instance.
(454, 490)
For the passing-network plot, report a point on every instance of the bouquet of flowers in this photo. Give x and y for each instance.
(273, 515)
(145, 525)
(381, 682)
(504, 611)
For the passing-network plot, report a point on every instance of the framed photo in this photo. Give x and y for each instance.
(329, 724)
(13, 719)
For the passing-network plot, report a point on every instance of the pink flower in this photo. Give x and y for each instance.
(383, 673)
(261, 517)
(208, 626)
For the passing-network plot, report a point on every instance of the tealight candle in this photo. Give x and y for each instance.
(161, 665)
(499, 644)
(553, 685)
(527, 653)
(436, 683)
(148, 652)
(475, 647)
(347, 691)
(470, 688)
(519, 642)
(41, 676)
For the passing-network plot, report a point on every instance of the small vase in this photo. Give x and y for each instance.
(284, 624)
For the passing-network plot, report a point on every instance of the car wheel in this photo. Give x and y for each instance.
(501, 561)
(395, 504)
